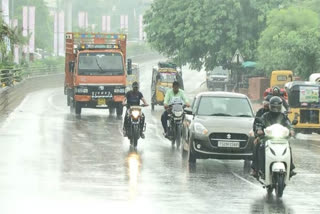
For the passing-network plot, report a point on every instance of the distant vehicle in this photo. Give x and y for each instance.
(163, 77)
(95, 72)
(280, 78)
(217, 79)
(304, 100)
(314, 77)
(217, 126)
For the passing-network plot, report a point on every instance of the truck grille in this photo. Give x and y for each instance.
(309, 116)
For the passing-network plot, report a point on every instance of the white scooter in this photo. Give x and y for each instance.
(277, 159)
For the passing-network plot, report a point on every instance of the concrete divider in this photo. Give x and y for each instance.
(11, 97)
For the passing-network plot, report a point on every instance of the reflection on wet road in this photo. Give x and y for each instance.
(54, 162)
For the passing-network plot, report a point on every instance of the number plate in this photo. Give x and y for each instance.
(101, 101)
(228, 144)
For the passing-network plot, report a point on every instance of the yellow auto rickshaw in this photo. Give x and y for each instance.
(280, 78)
(163, 76)
(303, 99)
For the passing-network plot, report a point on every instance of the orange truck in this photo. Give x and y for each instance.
(95, 71)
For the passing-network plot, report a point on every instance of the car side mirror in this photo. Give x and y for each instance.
(71, 66)
(188, 111)
(129, 68)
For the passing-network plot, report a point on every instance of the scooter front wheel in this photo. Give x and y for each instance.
(279, 187)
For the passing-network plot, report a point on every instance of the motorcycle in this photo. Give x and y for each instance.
(175, 119)
(275, 159)
(134, 128)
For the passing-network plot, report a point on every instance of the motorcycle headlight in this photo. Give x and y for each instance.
(82, 90)
(277, 131)
(178, 113)
(135, 114)
(200, 129)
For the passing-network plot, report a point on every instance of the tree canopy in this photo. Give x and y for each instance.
(291, 41)
(204, 33)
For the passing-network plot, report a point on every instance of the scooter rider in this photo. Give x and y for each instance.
(171, 94)
(133, 98)
(256, 142)
(275, 116)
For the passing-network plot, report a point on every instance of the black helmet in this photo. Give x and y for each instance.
(276, 91)
(135, 85)
(275, 104)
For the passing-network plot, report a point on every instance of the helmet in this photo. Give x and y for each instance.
(135, 85)
(276, 91)
(275, 104)
(266, 100)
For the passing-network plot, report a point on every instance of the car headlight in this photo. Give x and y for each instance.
(135, 114)
(82, 90)
(277, 131)
(200, 129)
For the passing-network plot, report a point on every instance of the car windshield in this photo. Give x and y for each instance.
(100, 64)
(219, 71)
(224, 106)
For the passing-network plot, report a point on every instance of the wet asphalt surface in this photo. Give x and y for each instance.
(54, 162)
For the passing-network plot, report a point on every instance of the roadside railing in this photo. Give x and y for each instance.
(9, 77)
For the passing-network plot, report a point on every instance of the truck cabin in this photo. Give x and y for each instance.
(100, 60)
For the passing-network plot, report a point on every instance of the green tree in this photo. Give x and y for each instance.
(291, 41)
(207, 33)
(13, 35)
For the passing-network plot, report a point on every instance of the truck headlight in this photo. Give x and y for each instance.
(82, 90)
(200, 129)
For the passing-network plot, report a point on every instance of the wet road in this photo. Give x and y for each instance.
(54, 162)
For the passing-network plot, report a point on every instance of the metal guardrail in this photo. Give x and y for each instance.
(8, 77)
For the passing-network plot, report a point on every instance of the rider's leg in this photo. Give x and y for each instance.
(142, 123)
(255, 160)
(125, 123)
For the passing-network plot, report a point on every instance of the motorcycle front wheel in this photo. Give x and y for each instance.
(178, 136)
(135, 135)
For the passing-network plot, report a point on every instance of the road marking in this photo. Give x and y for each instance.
(245, 180)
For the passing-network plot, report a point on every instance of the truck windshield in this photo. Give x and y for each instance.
(100, 64)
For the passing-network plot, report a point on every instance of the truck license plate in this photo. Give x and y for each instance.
(228, 144)
(101, 101)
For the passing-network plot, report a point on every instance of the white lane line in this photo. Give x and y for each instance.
(245, 180)
(50, 101)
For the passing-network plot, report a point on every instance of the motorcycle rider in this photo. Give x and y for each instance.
(171, 94)
(256, 142)
(274, 116)
(133, 98)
